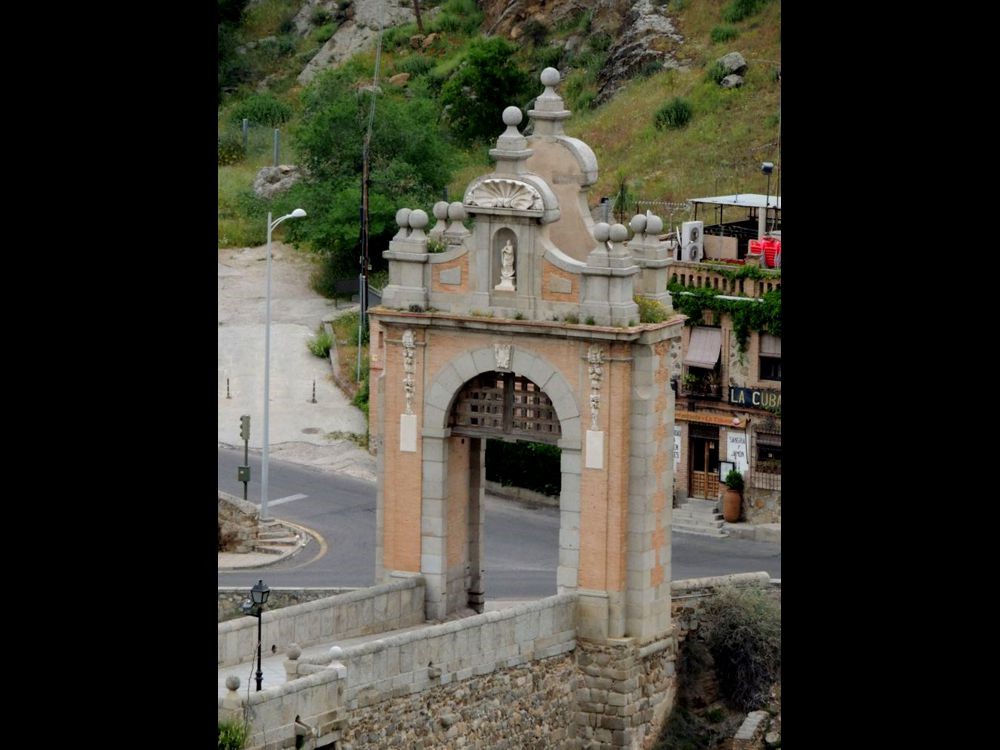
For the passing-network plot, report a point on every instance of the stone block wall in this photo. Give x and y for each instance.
(230, 599)
(624, 692)
(238, 522)
(376, 609)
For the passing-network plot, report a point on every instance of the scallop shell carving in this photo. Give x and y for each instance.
(504, 194)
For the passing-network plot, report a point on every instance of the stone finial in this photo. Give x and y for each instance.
(293, 651)
(233, 682)
(549, 111)
(456, 229)
(549, 77)
(456, 211)
(602, 231)
(512, 118)
(654, 224)
(418, 220)
(618, 235)
(403, 222)
(440, 211)
(638, 224)
(336, 652)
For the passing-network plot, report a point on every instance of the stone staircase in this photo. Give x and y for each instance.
(275, 538)
(699, 517)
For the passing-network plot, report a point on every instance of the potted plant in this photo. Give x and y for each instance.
(732, 499)
(689, 380)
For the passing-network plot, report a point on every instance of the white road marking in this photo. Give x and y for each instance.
(285, 500)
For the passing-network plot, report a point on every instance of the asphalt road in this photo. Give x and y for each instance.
(522, 542)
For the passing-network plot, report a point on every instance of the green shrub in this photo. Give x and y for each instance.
(600, 42)
(320, 343)
(716, 72)
(415, 65)
(261, 109)
(724, 33)
(737, 10)
(650, 311)
(571, 318)
(674, 114)
(360, 399)
(287, 25)
(324, 32)
(232, 735)
(457, 15)
(319, 17)
(547, 57)
(231, 149)
(743, 632)
(649, 68)
(436, 245)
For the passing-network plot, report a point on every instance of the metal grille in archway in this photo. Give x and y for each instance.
(498, 404)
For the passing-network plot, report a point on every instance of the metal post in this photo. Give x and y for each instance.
(277, 145)
(246, 462)
(267, 373)
(246, 133)
(227, 388)
(360, 318)
(260, 672)
(314, 392)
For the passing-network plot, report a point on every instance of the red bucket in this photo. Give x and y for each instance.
(755, 247)
(771, 248)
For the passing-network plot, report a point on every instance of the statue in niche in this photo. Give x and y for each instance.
(506, 268)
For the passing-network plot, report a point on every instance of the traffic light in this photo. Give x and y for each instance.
(245, 427)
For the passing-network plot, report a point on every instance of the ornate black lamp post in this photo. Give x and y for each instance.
(259, 594)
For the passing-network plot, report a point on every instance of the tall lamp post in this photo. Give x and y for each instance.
(298, 213)
(259, 594)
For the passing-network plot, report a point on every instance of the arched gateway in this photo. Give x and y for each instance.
(526, 327)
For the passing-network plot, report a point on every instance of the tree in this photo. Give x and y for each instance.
(409, 166)
(487, 82)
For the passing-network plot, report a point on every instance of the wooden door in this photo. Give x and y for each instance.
(704, 472)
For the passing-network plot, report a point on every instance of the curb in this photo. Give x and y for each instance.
(271, 559)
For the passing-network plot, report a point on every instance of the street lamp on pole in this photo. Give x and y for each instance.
(259, 594)
(298, 213)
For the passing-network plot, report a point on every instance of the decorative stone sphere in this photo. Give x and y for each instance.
(403, 217)
(550, 77)
(456, 211)
(654, 224)
(601, 231)
(441, 210)
(638, 223)
(418, 219)
(618, 233)
(233, 682)
(512, 116)
(293, 651)
(336, 652)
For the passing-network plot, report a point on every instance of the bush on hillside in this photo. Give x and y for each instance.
(737, 10)
(742, 629)
(674, 114)
(230, 149)
(261, 109)
(724, 34)
(487, 82)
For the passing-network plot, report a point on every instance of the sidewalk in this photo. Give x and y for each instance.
(299, 430)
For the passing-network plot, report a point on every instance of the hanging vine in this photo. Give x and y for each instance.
(747, 316)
